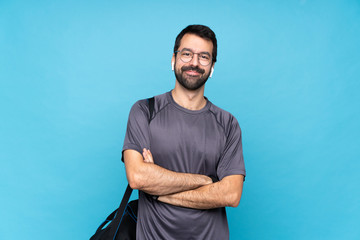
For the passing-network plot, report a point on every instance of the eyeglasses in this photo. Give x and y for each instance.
(187, 55)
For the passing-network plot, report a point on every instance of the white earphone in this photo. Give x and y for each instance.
(172, 66)
(211, 72)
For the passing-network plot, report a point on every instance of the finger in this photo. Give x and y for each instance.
(145, 155)
(150, 157)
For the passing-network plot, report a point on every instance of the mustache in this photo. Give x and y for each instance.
(197, 69)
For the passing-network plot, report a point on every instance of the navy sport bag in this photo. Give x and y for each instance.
(121, 223)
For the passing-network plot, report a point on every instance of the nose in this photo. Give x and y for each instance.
(195, 60)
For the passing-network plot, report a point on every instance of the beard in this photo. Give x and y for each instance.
(191, 82)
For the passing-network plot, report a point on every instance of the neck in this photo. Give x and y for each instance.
(189, 99)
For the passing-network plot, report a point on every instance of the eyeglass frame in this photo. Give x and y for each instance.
(187, 49)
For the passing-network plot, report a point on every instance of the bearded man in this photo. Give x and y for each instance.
(187, 160)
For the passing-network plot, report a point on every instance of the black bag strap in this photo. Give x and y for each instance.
(121, 210)
(151, 102)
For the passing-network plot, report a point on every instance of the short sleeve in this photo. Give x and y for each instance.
(137, 131)
(232, 160)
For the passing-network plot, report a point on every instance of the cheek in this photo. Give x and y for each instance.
(178, 66)
(207, 70)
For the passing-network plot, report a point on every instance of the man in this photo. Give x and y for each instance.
(187, 163)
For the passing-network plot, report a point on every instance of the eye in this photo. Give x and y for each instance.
(186, 54)
(204, 57)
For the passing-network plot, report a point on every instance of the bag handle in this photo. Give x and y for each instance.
(108, 219)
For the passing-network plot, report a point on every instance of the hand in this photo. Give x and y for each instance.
(148, 158)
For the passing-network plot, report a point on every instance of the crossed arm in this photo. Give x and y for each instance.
(180, 189)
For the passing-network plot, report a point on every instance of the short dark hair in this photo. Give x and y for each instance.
(201, 31)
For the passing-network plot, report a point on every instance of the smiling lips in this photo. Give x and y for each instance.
(192, 71)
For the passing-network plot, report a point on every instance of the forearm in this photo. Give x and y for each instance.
(220, 194)
(144, 175)
(156, 180)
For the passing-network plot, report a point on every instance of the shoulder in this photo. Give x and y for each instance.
(142, 106)
(161, 101)
(224, 118)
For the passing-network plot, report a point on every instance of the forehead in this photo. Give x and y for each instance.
(196, 43)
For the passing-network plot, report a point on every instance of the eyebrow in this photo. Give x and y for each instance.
(188, 49)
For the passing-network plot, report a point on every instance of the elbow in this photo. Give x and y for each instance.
(234, 200)
(134, 180)
(233, 186)
(235, 203)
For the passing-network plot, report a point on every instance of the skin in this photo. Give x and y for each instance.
(184, 189)
(191, 99)
(225, 193)
(155, 180)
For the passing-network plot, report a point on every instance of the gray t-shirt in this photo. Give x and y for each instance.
(206, 141)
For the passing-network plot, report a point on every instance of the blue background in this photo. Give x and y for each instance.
(288, 70)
